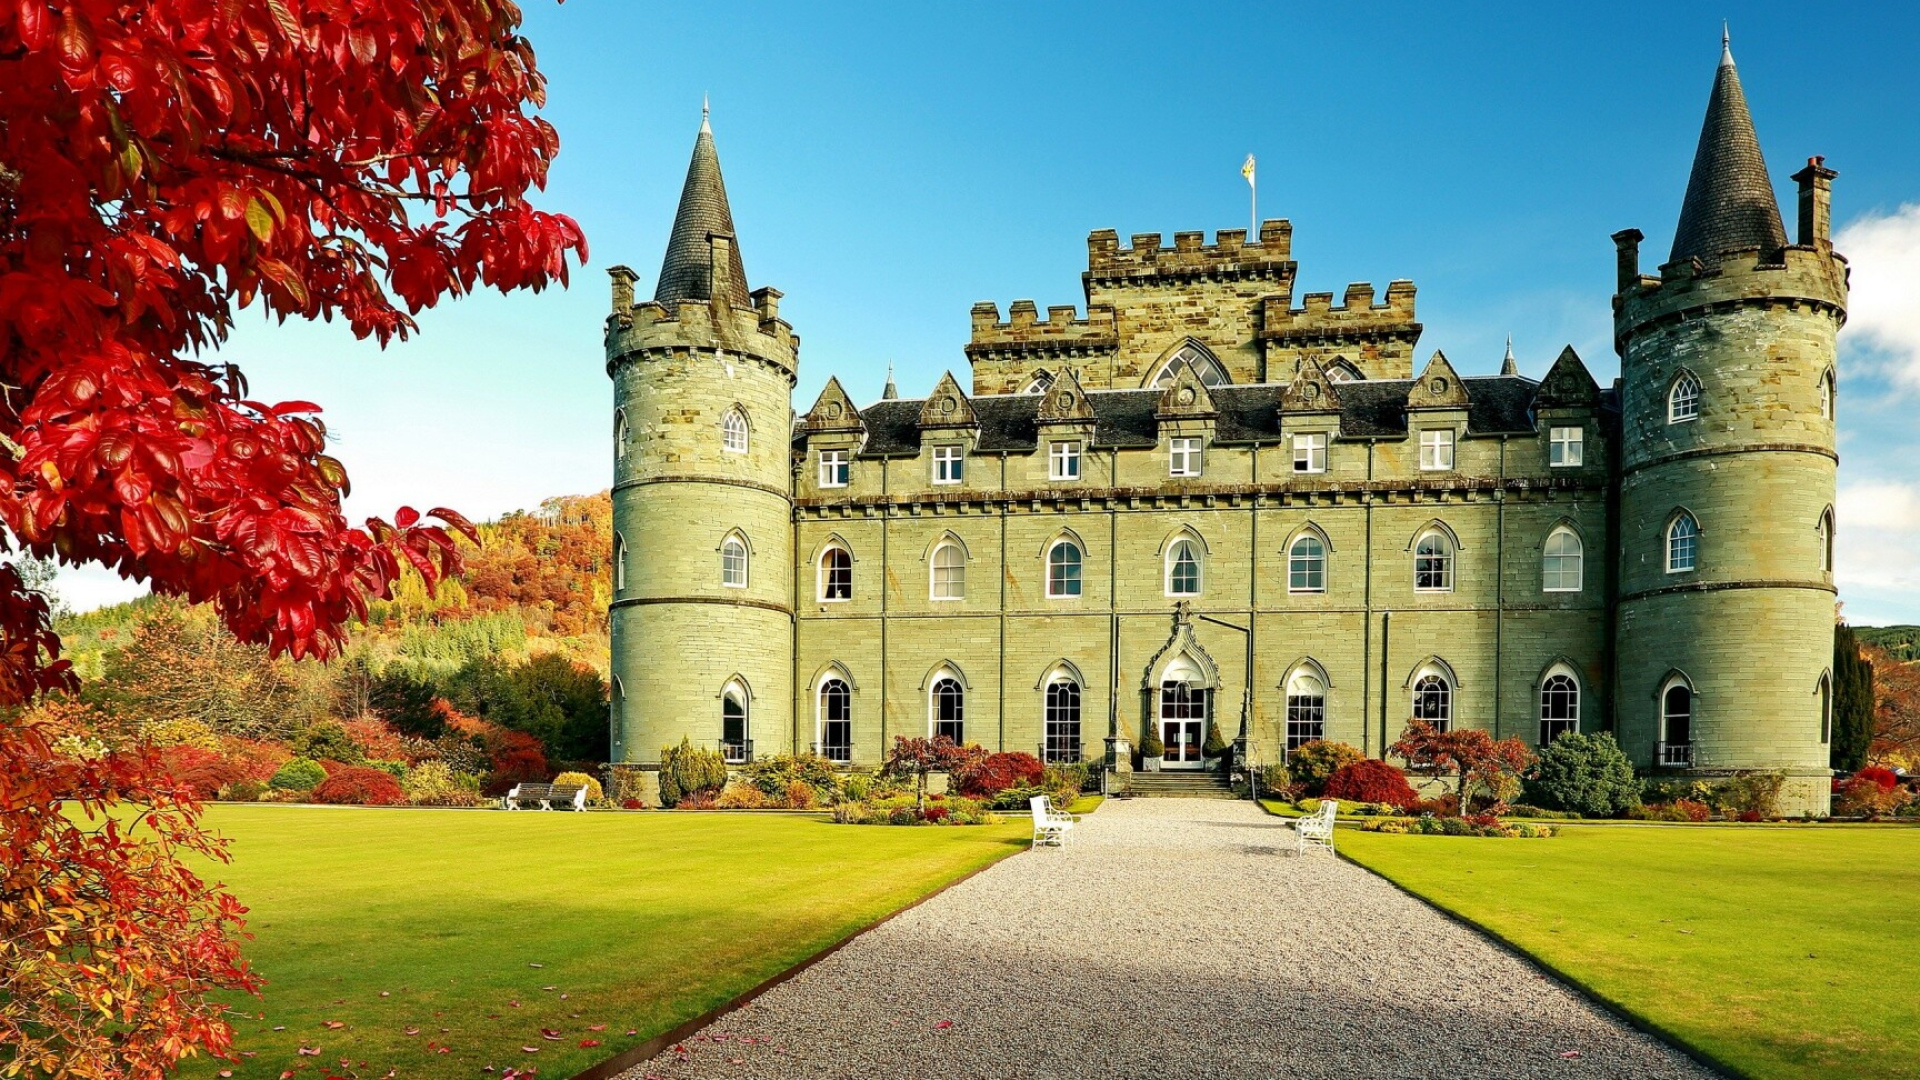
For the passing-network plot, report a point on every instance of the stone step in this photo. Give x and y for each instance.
(1180, 785)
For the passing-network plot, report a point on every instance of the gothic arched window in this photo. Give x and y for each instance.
(1306, 709)
(733, 431)
(836, 721)
(1062, 719)
(1683, 543)
(1183, 569)
(1063, 569)
(1433, 700)
(949, 574)
(947, 708)
(1561, 561)
(1683, 400)
(836, 573)
(1433, 563)
(1307, 565)
(733, 562)
(1559, 706)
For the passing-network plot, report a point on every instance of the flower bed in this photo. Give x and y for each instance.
(901, 810)
(1477, 825)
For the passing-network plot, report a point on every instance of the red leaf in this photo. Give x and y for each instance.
(589, 1042)
(406, 518)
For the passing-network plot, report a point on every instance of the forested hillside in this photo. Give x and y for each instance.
(1900, 642)
(499, 676)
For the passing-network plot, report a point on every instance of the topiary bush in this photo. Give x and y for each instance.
(434, 783)
(1153, 746)
(298, 774)
(357, 785)
(244, 791)
(1370, 781)
(688, 771)
(1586, 774)
(1314, 762)
(997, 772)
(595, 796)
(1216, 745)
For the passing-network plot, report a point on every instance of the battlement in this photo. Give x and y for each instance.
(1024, 331)
(1229, 256)
(1811, 275)
(648, 326)
(1357, 315)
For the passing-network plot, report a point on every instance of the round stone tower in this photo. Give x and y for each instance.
(702, 606)
(1724, 638)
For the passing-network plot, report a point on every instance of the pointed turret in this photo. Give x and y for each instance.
(1729, 204)
(1509, 366)
(688, 273)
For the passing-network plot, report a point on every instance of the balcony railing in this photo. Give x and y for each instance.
(1674, 755)
(736, 751)
(841, 752)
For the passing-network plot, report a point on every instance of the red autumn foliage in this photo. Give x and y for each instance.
(1883, 778)
(254, 759)
(915, 759)
(1371, 781)
(1696, 811)
(112, 949)
(379, 740)
(357, 785)
(997, 772)
(1473, 757)
(202, 771)
(513, 755)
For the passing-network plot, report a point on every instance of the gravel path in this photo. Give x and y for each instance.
(1172, 938)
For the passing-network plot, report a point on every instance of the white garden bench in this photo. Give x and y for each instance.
(545, 797)
(1049, 825)
(1316, 829)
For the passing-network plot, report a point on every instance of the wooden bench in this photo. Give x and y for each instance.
(545, 797)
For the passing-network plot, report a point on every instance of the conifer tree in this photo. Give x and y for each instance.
(1852, 705)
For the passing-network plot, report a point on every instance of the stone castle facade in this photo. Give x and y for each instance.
(1207, 499)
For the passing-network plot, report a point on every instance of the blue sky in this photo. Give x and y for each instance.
(888, 166)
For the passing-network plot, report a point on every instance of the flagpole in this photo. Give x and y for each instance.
(1253, 201)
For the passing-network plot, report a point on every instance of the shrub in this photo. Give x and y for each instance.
(178, 731)
(378, 739)
(1757, 794)
(699, 800)
(740, 795)
(1370, 781)
(688, 770)
(244, 791)
(1216, 745)
(856, 787)
(1070, 774)
(801, 795)
(997, 772)
(777, 774)
(434, 783)
(1152, 746)
(298, 774)
(1884, 777)
(1275, 778)
(595, 796)
(903, 815)
(1862, 796)
(1015, 798)
(850, 813)
(916, 759)
(632, 804)
(1586, 774)
(395, 769)
(202, 771)
(1522, 810)
(1445, 806)
(1314, 762)
(1694, 811)
(358, 785)
(328, 741)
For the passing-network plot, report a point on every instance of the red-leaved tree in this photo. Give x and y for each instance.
(915, 759)
(164, 164)
(1474, 758)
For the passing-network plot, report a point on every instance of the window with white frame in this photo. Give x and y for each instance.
(1310, 452)
(1564, 446)
(1183, 457)
(620, 435)
(1683, 401)
(733, 562)
(836, 574)
(733, 723)
(949, 572)
(1183, 568)
(733, 431)
(1683, 544)
(836, 468)
(836, 721)
(1559, 706)
(1825, 537)
(1436, 449)
(1433, 563)
(619, 563)
(1826, 395)
(947, 709)
(1063, 569)
(1676, 725)
(1306, 709)
(1562, 561)
(1062, 720)
(1307, 565)
(1063, 461)
(1433, 700)
(949, 464)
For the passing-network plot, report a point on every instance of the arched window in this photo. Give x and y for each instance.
(836, 573)
(1559, 706)
(1433, 563)
(1560, 561)
(1433, 700)
(1826, 708)
(1063, 569)
(1676, 724)
(1683, 543)
(1825, 529)
(733, 431)
(1042, 379)
(619, 563)
(836, 721)
(949, 572)
(733, 562)
(1205, 366)
(1183, 569)
(1826, 394)
(1062, 720)
(619, 434)
(1307, 565)
(733, 724)
(947, 710)
(1683, 401)
(1306, 709)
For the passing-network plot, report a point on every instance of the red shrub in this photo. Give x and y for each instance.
(1695, 811)
(202, 771)
(513, 755)
(379, 740)
(997, 772)
(1444, 806)
(254, 759)
(1886, 779)
(354, 785)
(633, 804)
(936, 813)
(1371, 781)
(1749, 815)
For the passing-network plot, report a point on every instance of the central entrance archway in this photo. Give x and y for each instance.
(1183, 715)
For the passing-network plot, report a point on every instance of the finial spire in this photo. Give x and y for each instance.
(705, 127)
(1726, 43)
(1509, 366)
(892, 392)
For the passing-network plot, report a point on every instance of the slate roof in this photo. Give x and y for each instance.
(686, 273)
(1497, 404)
(1729, 204)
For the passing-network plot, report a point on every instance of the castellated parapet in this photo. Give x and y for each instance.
(1229, 256)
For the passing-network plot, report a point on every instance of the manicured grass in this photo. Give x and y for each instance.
(1781, 952)
(480, 928)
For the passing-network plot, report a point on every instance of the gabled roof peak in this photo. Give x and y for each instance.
(1729, 204)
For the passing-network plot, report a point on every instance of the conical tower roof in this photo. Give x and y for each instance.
(1729, 204)
(687, 273)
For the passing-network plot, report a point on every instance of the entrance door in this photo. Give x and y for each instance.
(1183, 724)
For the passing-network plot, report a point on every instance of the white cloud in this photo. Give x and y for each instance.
(1883, 314)
(1877, 550)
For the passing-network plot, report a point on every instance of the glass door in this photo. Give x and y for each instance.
(1183, 724)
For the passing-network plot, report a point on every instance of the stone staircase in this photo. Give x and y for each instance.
(1180, 785)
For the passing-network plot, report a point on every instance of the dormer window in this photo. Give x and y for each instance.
(1436, 449)
(1565, 447)
(1183, 457)
(836, 468)
(949, 464)
(1310, 453)
(1063, 461)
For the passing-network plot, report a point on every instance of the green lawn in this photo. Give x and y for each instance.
(1782, 952)
(480, 929)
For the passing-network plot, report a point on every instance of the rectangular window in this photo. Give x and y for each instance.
(834, 468)
(1310, 453)
(1063, 461)
(1436, 449)
(1183, 457)
(949, 465)
(1564, 448)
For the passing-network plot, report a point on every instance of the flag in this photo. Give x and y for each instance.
(1247, 170)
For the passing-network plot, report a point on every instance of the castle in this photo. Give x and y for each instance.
(1203, 501)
